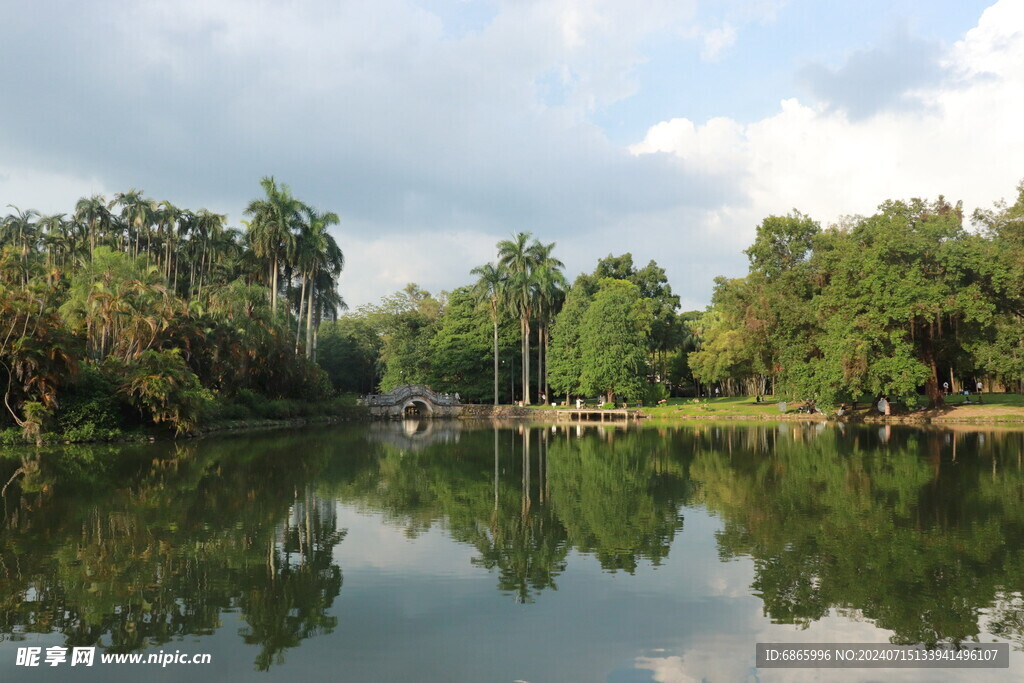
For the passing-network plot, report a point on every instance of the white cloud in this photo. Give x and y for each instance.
(966, 143)
(386, 263)
(717, 40)
(45, 191)
(432, 143)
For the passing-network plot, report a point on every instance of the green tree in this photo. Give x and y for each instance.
(565, 364)
(349, 349)
(161, 384)
(652, 280)
(549, 287)
(459, 348)
(613, 341)
(904, 289)
(406, 321)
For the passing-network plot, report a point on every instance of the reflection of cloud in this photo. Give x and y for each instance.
(731, 656)
(373, 544)
(666, 669)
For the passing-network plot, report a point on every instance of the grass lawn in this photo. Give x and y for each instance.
(998, 407)
(734, 405)
(742, 405)
(987, 399)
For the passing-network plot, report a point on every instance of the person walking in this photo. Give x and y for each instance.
(978, 390)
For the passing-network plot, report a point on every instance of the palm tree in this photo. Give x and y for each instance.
(490, 287)
(320, 257)
(137, 213)
(167, 216)
(209, 226)
(270, 232)
(549, 286)
(56, 238)
(94, 216)
(328, 301)
(22, 229)
(519, 257)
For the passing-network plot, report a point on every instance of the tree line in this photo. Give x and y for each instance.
(907, 303)
(133, 310)
(517, 332)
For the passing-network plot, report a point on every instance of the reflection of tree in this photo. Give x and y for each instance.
(528, 551)
(896, 531)
(524, 499)
(286, 601)
(117, 548)
(612, 497)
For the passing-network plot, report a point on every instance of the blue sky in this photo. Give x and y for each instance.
(665, 128)
(747, 80)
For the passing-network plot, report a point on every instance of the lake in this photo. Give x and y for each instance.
(452, 551)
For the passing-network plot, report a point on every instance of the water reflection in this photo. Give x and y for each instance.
(920, 532)
(116, 548)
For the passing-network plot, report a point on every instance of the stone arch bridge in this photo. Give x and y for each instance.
(412, 400)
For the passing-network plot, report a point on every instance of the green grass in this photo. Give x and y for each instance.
(740, 405)
(730, 405)
(745, 406)
(987, 399)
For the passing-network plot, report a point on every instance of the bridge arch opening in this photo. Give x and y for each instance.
(417, 408)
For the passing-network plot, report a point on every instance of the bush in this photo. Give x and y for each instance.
(656, 391)
(91, 401)
(90, 432)
(160, 384)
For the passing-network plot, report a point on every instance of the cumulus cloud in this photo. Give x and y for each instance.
(434, 132)
(716, 40)
(406, 124)
(965, 141)
(884, 78)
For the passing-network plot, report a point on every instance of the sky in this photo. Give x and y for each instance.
(435, 128)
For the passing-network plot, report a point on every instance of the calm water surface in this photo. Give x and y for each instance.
(447, 552)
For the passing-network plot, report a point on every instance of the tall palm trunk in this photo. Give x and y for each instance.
(273, 288)
(309, 322)
(547, 338)
(494, 317)
(540, 361)
(298, 325)
(202, 268)
(526, 360)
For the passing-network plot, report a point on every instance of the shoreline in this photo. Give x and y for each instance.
(951, 417)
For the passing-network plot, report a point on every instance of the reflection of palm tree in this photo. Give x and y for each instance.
(287, 601)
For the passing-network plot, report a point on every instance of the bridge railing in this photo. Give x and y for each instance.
(404, 393)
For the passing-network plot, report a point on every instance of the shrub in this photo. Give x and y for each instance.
(160, 384)
(656, 391)
(91, 401)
